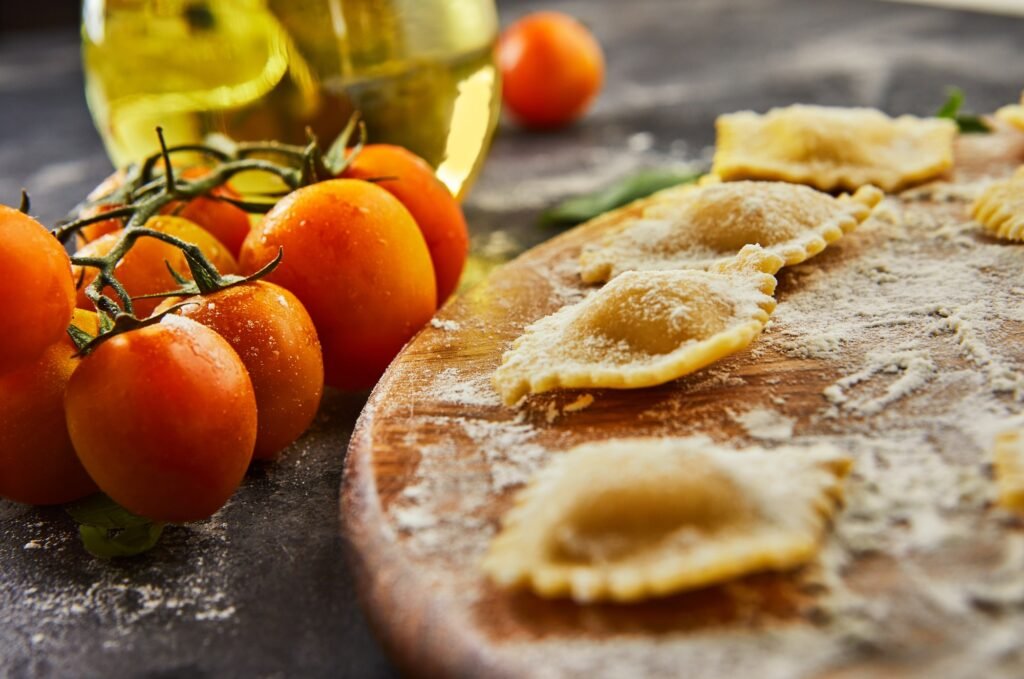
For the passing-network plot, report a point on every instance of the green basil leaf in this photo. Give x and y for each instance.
(109, 530)
(640, 185)
(954, 101)
(969, 124)
(966, 122)
(108, 544)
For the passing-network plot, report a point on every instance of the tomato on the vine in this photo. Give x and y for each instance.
(143, 270)
(38, 465)
(164, 419)
(275, 338)
(41, 291)
(357, 261)
(552, 68)
(411, 180)
(226, 222)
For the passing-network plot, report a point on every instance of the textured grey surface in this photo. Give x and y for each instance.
(262, 589)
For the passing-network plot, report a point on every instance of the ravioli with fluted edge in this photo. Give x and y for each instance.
(1000, 207)
(644, 328)
(1013, 114)
(833, 148)
(1008, 464)
(630, 519)
(713, 221)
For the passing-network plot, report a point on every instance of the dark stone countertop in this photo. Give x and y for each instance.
(262, 589)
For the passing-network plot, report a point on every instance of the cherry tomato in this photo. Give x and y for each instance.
(435, 210)
(225, 222)
(164, 419)
(40, 291)
(551, 67)
(355, 258)
(275, 338)
(93, 231)
(143, 270)
(38, 466)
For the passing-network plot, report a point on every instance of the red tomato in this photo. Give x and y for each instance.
(143, 270)
(38, 466)
(552, 68)
(275, 338)
(357, 261)
(435, 210)
(93, 231)
(40, 289)
(164, 419)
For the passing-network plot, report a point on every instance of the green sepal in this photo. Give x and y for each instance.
(80, 338)
(26, 203)
(640, 185)
(109, 530)
(339, 156)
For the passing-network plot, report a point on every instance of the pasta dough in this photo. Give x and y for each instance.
(833, 148)
(1008, 463)
(695, 228)
(630, 519)
(1000, 207)
(1013, 114)
(643, 329)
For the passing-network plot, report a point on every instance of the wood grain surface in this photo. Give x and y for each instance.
(436, 459)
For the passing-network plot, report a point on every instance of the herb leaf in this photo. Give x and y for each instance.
(967, 122)
(109, 530)
(640, 185)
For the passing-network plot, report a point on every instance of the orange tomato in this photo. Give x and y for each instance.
(93, 231)
(552, 68)
(355, 258)
(143, 270)
(225, 222)
(38, 466)
(164, 419)
(435, 210)
(40, 289)
(275, 338)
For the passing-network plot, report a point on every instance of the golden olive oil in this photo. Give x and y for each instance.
(421, 73)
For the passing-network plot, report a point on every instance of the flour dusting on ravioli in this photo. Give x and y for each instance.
(696, 228)
(833, 148)
(629, 519)
(644, 328)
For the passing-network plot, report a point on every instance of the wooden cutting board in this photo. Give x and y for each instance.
(901, 344)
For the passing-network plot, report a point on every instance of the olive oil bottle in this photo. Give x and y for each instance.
(421, 73)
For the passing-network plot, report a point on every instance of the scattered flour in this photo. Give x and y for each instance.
(765, 424)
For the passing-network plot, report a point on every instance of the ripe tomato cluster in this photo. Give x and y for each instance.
(203, 339)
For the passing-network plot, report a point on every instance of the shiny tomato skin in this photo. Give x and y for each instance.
(38, 465)
(552, 69)
(143, 270)
(164, 419)
(355, 258)
(412, 181)
(37, 278)
(274, 336)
